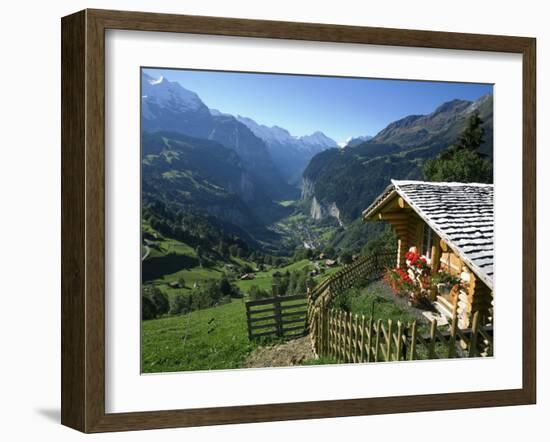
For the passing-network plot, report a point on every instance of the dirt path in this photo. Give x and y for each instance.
(282, 355)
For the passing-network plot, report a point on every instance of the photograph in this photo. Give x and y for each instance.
(274, 221)
(299, 220)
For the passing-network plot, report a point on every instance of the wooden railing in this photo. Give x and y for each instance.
(365, 269)
(280, 316)
(346, 337)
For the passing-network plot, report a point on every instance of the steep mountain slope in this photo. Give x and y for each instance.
(291, 154)
(341, 183)
(165, 105)
(186, 172)
(441, 127)
(168, 106)
(355, 141)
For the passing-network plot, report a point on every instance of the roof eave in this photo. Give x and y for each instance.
(456, 249)
(379, 203)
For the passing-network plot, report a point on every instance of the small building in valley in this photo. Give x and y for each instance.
(451, 225)
(247, 276)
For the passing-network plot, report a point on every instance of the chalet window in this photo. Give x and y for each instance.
(427, 238)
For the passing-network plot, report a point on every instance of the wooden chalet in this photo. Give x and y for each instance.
(451, 225)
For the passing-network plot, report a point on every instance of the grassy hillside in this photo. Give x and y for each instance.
(170, 259)
(214, 338)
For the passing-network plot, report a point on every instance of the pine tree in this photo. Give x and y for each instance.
(472, 137)
(462, 162)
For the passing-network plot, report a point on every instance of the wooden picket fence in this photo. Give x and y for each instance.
(347, 337)
(280, 316)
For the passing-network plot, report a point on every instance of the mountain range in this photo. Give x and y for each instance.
(291, 154)
(343, 182)
(281, 157)
(441, 127)
(239, 171)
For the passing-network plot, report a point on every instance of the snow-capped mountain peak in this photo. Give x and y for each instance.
(277, 136)
(273, 135)
(168, 94)
(152, 81)
(318, 139)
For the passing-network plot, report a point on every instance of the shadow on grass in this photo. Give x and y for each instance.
(158, 266)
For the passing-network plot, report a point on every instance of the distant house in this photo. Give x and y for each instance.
(247, 276)
(330, 262)
(451, 225)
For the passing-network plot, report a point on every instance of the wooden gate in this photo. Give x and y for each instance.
(280, 316)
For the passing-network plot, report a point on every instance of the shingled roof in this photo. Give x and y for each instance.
(460, 213)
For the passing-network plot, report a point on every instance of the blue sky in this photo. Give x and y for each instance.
(338, 106)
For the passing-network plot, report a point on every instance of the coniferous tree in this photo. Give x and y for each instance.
(471, 137)
(462, 162)
(160, 300)
(346, 257)
(148, 309)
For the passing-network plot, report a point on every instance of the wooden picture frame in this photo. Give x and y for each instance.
(83, 220)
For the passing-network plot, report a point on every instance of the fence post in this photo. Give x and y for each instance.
(320, 329)
(473, 339)
(389, 338)
(347, 342)
(330, 333)
(340, 340)
(354, 339)
(362, 344)
(369, 342)
(405, 343)
(325, 328)
(248, 323)
(413, 341)
(431, 351)
(308, 308)
(399, 341)
(452, 337)
(351, 337)
(377, 344)
(278, 317)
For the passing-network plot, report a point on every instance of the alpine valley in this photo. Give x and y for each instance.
(211, 180)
